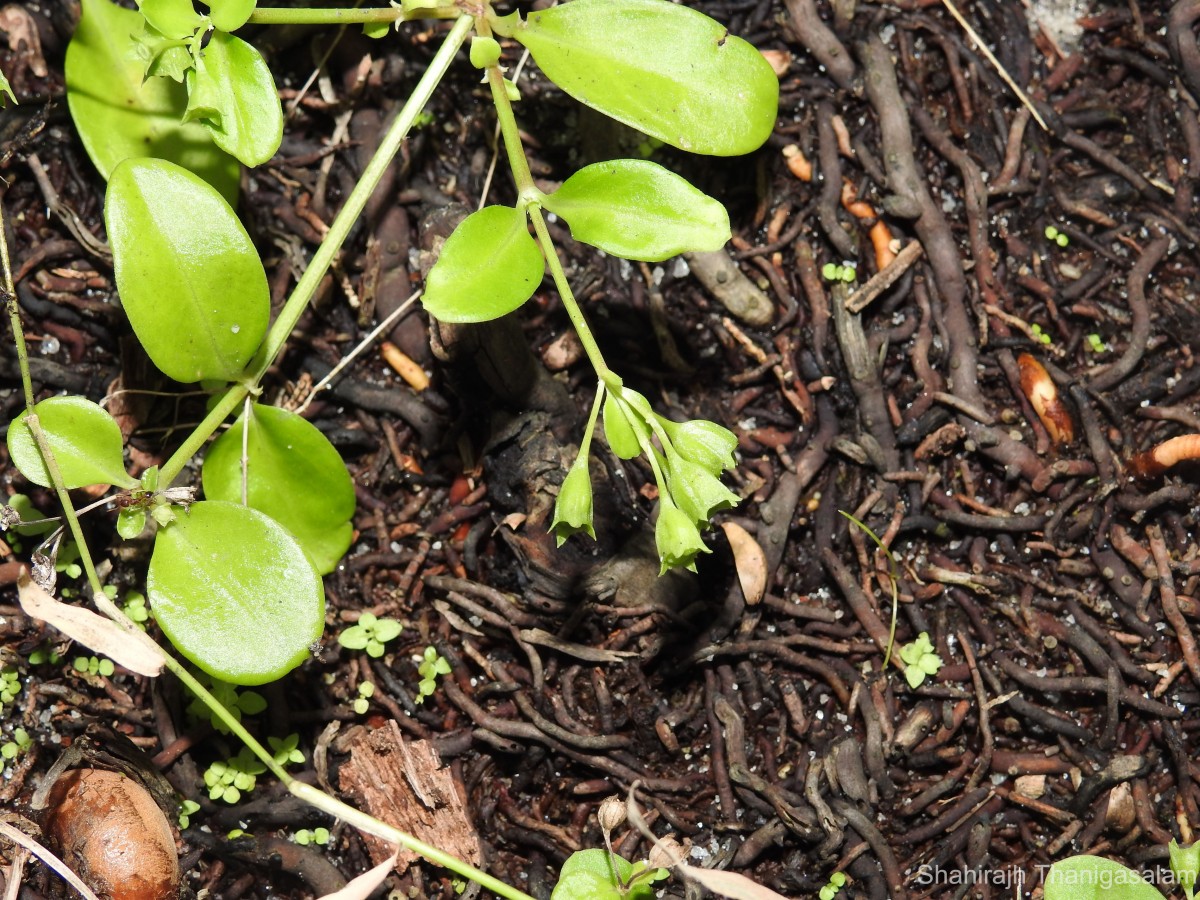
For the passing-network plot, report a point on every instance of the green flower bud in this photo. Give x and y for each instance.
(695, 491)
(677, 538)
(619, 430)
(573, 508)
(485, 51)
(705, 443)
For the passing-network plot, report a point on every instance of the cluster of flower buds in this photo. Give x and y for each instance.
(687, 459)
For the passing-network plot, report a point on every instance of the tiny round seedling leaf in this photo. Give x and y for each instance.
(230, 15)
(293, 474)
(636, 209)
(235, 592)
(233, 94)
(667, 70)
(85, 440)
(190, 279)
(488, 267)
(118, 116)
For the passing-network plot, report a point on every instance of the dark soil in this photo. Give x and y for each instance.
(1059, 590)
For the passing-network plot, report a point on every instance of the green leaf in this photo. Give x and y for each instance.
(233, 94)
(85, 440)
(589, 875)
(294, 475)
(190, 279)
(172, 18)
(636, 209)
(230, 15)
(131, 522)
(666, 70)
(1185, 864)
(235, 593)
(117, 116)
(1096, 878)
(6, 92)
(489, 266)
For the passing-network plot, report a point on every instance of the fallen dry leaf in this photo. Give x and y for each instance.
(750, 561)
(133, 650)
(363, 886)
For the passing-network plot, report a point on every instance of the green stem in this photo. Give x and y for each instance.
(306, 287)
(530, 198)
(278, 16)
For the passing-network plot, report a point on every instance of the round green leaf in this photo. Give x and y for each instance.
(666, 70)
(489, 266)
(173, 18)
(235, 592)
(190, 279)
(1094, 877)
(636, 209)
(590, 874)
(294, 475)
(232, 93)
(85, 440)
(117, 116)
(230, 15)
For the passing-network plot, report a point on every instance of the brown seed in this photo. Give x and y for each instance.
(110, 831)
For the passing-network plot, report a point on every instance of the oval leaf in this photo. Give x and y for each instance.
(666, 70)
(172, 18)
(235, 592)
(294, 475)
(1088, 877)
(489, 266)
(85, 440)
(230, 15)
(117, 116)
(190, 279)
(233, 94)
(636, 209)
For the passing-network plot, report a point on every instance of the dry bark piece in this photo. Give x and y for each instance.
(403, 783)
(724, 280)
(111, 832)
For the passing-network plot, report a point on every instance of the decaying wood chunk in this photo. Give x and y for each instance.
(403, 783)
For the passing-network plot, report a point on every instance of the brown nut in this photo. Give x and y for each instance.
(110, 831)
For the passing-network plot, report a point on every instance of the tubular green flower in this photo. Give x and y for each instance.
(677, 538)
(695, 490)
(705, 443)
(573, 508)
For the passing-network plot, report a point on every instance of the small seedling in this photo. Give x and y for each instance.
(43, 653)
(227, 780)
(1185, 864)
(238, 703)
(432, 665)
(366, 690)
(836, 881)
(920, 659)
(187, 809)
(135, 607)
(1053, 234)
(1040, 336)
(370, 634)
(10, 685)
(834, 272)
(92, 665)
(1096, 344)
(286, 750)
(304, 836)
(21, 742)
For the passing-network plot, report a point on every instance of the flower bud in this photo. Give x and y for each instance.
(695, 491)
(485, 51)
(677, 538)
(705, 443)
(620, 430)
(573, 508)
